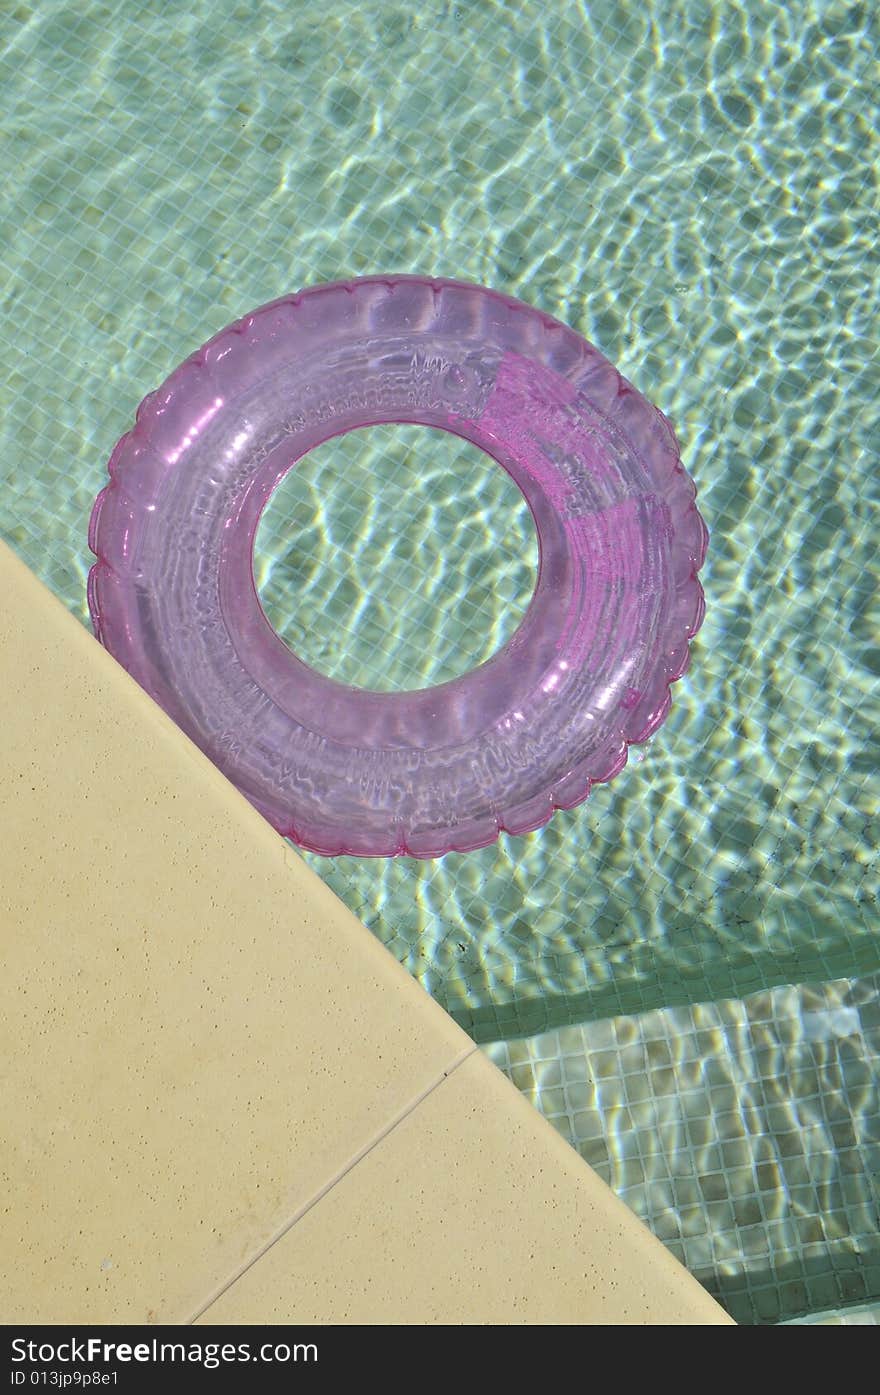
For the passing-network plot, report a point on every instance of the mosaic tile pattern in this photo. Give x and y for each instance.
(868, 1316)
(746, 1134)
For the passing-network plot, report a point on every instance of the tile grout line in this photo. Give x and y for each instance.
(331, 1183)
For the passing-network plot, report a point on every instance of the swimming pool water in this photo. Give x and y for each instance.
(692, 185)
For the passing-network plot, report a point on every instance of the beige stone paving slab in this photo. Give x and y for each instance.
(216, 1082)
(472, 1210)
(195, 1034)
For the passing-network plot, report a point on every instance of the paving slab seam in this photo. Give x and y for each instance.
(332, 1182)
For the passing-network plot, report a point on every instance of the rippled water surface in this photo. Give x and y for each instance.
(690, 184)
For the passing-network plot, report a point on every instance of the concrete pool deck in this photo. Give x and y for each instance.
(225, 1100)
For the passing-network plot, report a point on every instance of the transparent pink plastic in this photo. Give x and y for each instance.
(340, 769)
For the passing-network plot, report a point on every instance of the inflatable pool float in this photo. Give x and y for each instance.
(347, 770)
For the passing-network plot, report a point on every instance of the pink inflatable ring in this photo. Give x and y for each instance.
(346, 770)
